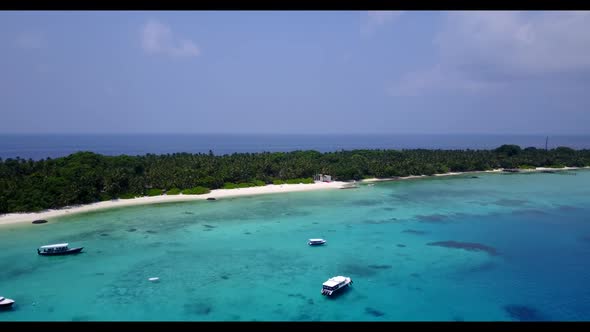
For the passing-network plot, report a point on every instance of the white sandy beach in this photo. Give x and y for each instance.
(13, 218)
(425, 176)
(497, 170)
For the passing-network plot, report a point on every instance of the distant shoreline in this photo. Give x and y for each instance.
(18, 218)
(497, 170)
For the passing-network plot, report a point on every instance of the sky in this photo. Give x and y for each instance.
(306, 72)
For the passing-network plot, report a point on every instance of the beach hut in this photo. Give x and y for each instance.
(322, 178)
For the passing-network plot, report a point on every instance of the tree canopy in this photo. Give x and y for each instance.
(86, 177)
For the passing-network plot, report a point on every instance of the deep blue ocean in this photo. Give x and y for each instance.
(53, 146)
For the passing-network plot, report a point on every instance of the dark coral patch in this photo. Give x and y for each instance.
(431, 218)
(380, 222)
(198, 308)
(380, 267)
(298, 295)
(374, 312)
(567, 208)
(414, 231)
(366, 202)
(511, 202)
(529, 212)
(358, 270)
(469, 246)
(524, 313)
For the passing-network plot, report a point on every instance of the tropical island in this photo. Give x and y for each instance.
(86, 177)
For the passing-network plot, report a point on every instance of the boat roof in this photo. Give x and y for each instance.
(316, 240)
(334, 281)
(59, 245)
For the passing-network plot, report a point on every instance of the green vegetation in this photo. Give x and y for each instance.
(196, 191)
(526, 167)
(229, 185)
(86, 177)
(259, 183)
(173, 191)
(299, 180)
(154, 192)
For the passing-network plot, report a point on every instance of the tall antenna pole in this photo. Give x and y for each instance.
(546, 140)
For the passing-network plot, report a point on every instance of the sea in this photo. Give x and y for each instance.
(474, 247)
(43, 146)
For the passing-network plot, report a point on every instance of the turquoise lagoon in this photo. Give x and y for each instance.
(520, 252)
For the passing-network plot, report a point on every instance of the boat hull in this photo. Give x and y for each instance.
(6, 304)
(337, 291)
(67, 252)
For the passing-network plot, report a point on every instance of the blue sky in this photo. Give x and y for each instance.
(295, 72)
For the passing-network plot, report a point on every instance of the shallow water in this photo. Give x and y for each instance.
(496, 247)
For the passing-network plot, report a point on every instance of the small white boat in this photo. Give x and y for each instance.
(316, 242)
(154, 279)
(335, 284)
(6, 303)
(350, 185)
(58, 249)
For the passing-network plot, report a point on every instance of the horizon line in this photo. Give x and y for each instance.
(298, 134)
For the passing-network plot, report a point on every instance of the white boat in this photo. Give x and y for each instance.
(350, 185)
(58, 249)
(335, 284)
(6, 303)
(316, 242)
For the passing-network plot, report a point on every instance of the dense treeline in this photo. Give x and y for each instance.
(85, 177)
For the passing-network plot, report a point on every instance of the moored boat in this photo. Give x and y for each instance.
(58, 249)
(316, 242)
(6, 303)
(335, 284)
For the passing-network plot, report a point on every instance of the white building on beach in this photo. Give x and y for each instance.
(322, 178)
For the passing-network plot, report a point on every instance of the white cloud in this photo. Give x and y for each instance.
(31, 40)
(373, 20)
(157, 38)
(484, 49)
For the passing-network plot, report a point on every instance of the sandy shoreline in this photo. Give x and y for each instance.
(497, 170)
(13, 218)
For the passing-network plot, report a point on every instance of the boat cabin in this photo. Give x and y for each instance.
(335, 283)
(54, 248)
